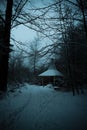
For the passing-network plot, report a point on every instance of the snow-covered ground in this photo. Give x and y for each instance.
(42, 108)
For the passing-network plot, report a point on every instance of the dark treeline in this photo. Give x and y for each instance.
(73, 61)
(19, 73)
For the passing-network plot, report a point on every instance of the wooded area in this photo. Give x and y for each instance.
(64, 22)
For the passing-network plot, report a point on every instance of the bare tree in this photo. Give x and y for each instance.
(34, 54)
(83, 7)
(6, 46)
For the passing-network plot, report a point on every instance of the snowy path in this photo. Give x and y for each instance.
(38, 108)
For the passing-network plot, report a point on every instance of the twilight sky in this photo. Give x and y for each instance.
(24, 34)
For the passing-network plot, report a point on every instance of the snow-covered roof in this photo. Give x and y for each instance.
(51, 71)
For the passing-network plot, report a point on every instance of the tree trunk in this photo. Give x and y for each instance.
(84, 17)
(6, 47)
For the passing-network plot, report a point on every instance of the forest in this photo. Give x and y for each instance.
(63, 22)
